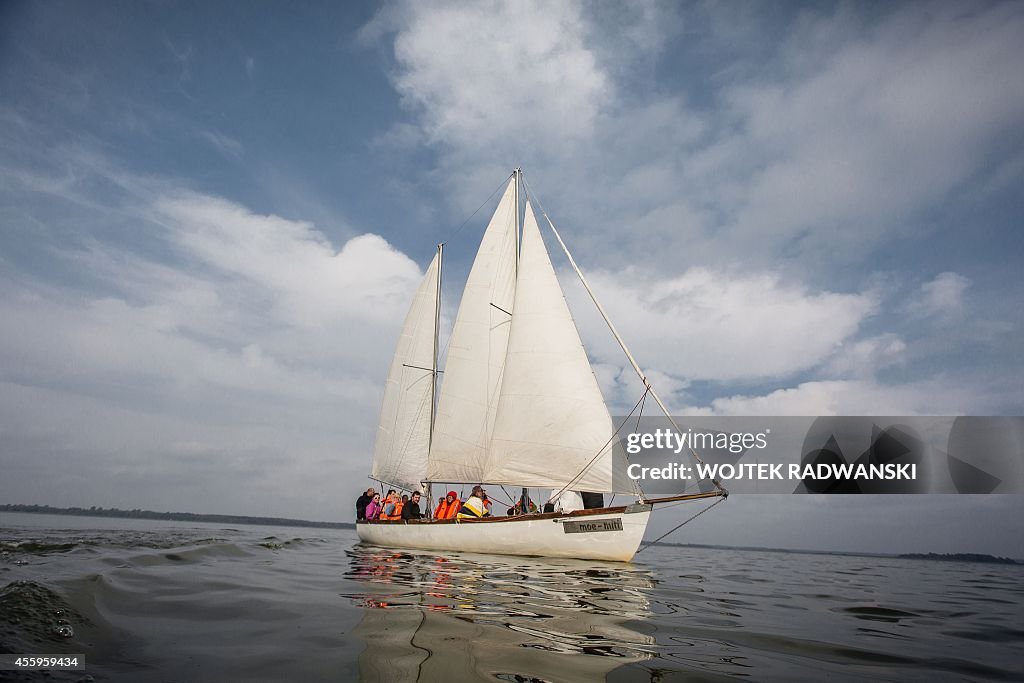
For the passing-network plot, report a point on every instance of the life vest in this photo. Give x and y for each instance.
(473, 508)
(396, 512)
(445, 510)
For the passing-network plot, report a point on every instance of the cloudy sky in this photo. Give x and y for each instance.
(212, 218)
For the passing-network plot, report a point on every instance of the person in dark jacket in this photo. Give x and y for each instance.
(411, 510)
(361, 503)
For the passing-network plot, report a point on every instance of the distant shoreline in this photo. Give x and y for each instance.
(940, 557)
(174, 516)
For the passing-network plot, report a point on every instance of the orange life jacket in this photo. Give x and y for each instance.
(445, 510)
(391, 500)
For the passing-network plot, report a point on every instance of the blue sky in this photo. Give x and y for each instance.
(212, 217)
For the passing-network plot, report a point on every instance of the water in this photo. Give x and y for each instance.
(168, 601)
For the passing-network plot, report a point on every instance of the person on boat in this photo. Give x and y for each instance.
(475, 506)
(392, 510)
(568, 501)
(361, 503)
(448, 507)
(517, 509)
(390, 501)
(373, 508)
(411, 510)
(399, 506)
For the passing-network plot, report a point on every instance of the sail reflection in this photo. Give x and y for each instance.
(485, 616)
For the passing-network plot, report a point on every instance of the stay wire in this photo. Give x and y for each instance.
(678, 526)
(486, 202)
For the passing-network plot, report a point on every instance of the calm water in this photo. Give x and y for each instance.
(167, 601)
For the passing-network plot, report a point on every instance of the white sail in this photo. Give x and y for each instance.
(476, 354)
(403, 432)
(552, 420)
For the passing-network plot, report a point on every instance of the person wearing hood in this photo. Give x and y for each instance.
(448, 507)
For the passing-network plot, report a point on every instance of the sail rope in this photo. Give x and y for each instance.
(486, 202)
(645, 546)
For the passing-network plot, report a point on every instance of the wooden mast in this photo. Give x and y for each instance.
(524, 506)
(433, 374)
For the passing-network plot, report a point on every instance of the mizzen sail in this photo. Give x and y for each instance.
(403, 432)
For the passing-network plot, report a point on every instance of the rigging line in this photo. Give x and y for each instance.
(641, 413)
(648, 545)
(618, 337)
(502, 486)
(486, 202)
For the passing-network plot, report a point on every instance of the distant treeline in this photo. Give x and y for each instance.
(175, 516)
(960, 557)
(945, 557)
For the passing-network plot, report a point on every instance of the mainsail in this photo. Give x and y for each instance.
(476, 354)
(552, 427)
(403, 432)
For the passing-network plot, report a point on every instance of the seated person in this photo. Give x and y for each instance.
(390, 501)
(448, 507)
(397, 513)
(362, 502)
(518, 508)
(411, 510)
(476, 505)
(373, 508)
(568, 501)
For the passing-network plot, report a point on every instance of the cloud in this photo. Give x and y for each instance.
(249, 338)
(491, 70)
(942, 297)
(223, 143)
(826, 144)
(890, 119)
(865, 358)
(711, 325)
(854, 397)
(311, 283)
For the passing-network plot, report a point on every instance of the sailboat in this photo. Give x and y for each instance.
(519, 406)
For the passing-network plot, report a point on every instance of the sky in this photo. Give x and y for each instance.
(213, 217)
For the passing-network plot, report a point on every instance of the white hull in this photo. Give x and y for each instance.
(587, 535)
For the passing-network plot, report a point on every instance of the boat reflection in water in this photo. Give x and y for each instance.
(466, 616)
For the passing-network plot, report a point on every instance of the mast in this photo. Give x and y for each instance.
(517, 173)
(525, 495)
(433, 374)
(437, 330)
